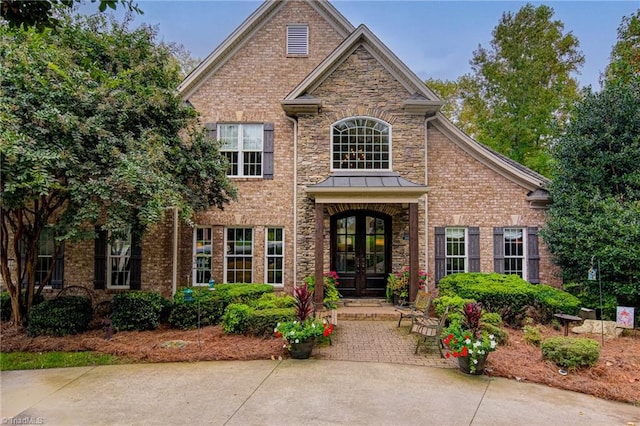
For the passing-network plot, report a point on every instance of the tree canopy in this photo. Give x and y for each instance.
(596, 192)
(93, 132)
(625, 55)
(520, 92)
(41, 14)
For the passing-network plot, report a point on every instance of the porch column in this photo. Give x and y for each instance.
(413, 250)
(319, 255)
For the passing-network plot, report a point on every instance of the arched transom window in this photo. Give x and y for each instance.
(361, 143)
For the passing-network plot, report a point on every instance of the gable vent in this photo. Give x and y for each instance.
(297, 40)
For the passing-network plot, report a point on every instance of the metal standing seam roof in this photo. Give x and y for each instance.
(366, 181)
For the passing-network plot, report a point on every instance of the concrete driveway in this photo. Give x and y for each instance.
(291, 392)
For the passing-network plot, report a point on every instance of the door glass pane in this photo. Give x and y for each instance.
(375, 245)
(346, 245)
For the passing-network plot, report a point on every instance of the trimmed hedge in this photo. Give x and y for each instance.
(262, 322)
(509, 295)
(60, 316)
(236, 318)
(272, 301)
(137, 310)
(571, 352)
(208, 304)
(242, 293)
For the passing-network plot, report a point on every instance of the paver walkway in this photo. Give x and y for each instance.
(379, 341)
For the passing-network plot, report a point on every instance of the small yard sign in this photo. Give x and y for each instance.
(625, 317)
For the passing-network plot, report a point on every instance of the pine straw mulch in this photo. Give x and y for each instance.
(615, 377)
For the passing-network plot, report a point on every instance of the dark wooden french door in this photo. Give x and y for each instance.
(361, 252)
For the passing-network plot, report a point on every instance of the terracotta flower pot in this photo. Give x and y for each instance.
(301, 350)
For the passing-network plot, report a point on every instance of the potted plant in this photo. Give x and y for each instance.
(398, 285)
(330, 288)
(300, 335)
(467, 342)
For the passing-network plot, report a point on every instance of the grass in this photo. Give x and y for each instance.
(33, 361)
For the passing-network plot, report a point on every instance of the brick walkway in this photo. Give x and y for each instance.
(371, 340)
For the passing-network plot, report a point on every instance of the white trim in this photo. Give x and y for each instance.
(240, 150)
(266, 256)
(109, 258)
(524, 257)
(194, 255)
(365, 117)
(466, 249)
(226, 254)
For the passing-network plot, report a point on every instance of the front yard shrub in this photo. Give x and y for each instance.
(491, 318)
(272, 301)
(236, 318)
(206, 304)
(571, 352)
(137, 310)
(5, 306)
(262, 322)
(509, 295)
(60, 316)
(242, 293)
(532, 335)
(501, 335)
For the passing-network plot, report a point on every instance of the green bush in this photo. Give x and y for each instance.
(532, 335)
(571, 352)
(501, 335)
(60, 316)
(242, 293)
(236, 318)
(206, 305)
(493, 318)
(5, 306)
(509, 295)
(262, 322)
(137, 310)
(272, 301)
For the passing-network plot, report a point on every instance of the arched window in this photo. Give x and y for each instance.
(361, 143)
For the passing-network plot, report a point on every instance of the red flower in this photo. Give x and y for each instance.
(465, 351)
(278, 334)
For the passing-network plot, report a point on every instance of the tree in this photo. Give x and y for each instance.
(40, 14)
(92, 132)
(521, 89)
(625, 55)
(596, 193)
(457, 108)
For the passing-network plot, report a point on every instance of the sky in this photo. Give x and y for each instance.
(435, 39)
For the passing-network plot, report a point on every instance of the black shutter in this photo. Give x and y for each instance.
(100, 260)
(135, 263)
(267, 154)
(213, 130)
(474, 249)
(440, 249)
(58, 272)
(533, 256)
(498, 250)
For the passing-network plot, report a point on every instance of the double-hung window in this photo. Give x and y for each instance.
(242, 144)
(514, 253)
(275, 256)
(456, 250)
(239, 255)
(202, 243)
(119, 262)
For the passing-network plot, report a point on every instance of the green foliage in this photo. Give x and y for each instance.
(491, 318)
(500, 334)
(522, 90)
(532, 335)
(242, 293)
(60, 316)
(571, 352)
(137, 310)
(236, 318)
(263, 321)
(591, 299)
(207, 305)
(5, 306)
(330, 289)
(595, 215)
(272, 301)
(33, 361)
(509, 295)
(94, 131)
(625, 61)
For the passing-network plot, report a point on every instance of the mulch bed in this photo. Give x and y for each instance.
(615, 377)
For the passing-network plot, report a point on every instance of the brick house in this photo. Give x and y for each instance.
(342, 162)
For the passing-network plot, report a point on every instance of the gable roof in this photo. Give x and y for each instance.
(421, 99)
(243, 33)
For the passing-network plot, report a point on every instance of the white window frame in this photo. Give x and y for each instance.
(268, 256)
(366, 142)
(523, 230)
(297, 40)
(228, 254)
(126, 258)
(41, 273)
(240, 149)
(201, 243)
(452, 256)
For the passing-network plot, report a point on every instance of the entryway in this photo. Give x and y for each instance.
(361, 252)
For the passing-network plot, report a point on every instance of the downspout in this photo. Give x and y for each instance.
(295, 197)
(426, 196)
(174, 277)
